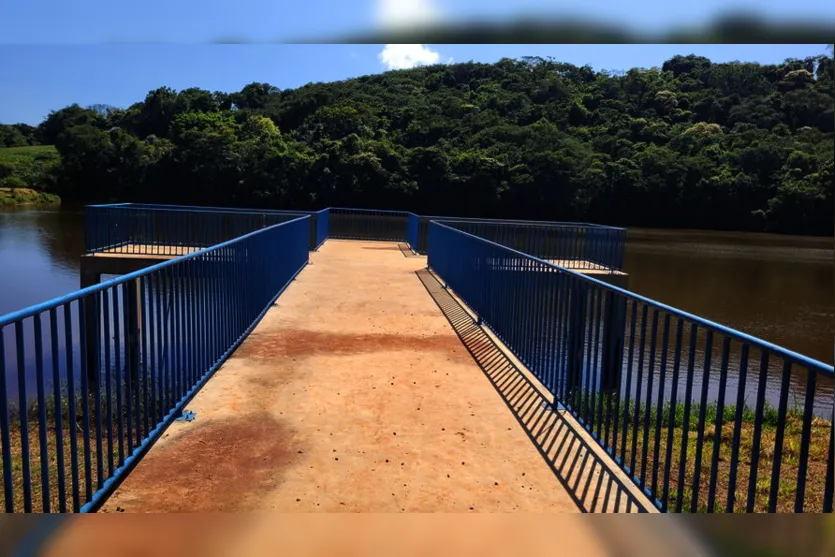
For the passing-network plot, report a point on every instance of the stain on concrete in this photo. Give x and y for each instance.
(294, 343)
(215, 466)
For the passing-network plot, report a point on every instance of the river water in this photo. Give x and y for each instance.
(778, 288)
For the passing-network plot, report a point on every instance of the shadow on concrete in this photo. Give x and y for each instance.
(406, 250)
(383, 248)
(588, 477)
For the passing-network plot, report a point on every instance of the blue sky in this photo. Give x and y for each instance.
(35, 79)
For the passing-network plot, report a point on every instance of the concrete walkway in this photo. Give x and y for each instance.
(353, 394)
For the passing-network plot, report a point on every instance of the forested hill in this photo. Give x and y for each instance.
(738, 146)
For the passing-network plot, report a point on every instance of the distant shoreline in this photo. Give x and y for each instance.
(16, 197)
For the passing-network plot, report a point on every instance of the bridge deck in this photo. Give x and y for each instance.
(354, 393)
(369, 388)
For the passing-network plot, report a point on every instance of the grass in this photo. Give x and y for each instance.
(27, 175)
(25, 196)
(641, 441)
(672, 433)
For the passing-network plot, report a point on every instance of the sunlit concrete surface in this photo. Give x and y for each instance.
(354, 393)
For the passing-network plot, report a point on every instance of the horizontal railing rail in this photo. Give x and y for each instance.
(700, 416)
(89, 381)
(209, 208)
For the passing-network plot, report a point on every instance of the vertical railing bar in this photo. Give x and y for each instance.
(659, 411)
(611, 321)
(85, 393)
(168, 353)
(671, 418)
(97, 389)
(586, 340)
(559, 359)
(639, 377)
(108, 380)
(145, 349)
(42, 425)
(648, 411)
(622, 306)
(5, 437)
(778, 440)
(757, 435)
(130, 365)
(72, 411)
(629, 365)
(156, 320)
(717, 437)
(598, 362)
(118, 309)
(59, 411)
(805, 439)
(740, 410)
(697, 468)
(23, 409)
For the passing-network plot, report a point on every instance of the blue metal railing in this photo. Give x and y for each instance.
(165, 230)
(701, 417)
(139, 228)
(112, 365)
(367, 224)
(566, 245)
(574, 243)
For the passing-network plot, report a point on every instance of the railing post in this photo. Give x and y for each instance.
(576, 340)
(314, 229)
(89, 309)
(613, 340)
(133, 322)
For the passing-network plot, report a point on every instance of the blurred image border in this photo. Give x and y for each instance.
(219, 535)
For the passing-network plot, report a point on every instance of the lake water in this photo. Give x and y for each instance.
(779, 288)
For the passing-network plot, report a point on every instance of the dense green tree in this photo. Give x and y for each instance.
(690, 144)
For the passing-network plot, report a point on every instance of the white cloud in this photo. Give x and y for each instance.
(403, 56)
(406, 13)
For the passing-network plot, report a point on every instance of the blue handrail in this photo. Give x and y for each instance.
(123, 358)
(639, 374)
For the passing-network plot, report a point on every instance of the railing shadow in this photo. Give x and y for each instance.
(406, 250)
(589, 478)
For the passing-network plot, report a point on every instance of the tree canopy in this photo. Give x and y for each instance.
(738, 146)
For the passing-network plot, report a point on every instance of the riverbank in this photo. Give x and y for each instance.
(10, 197)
